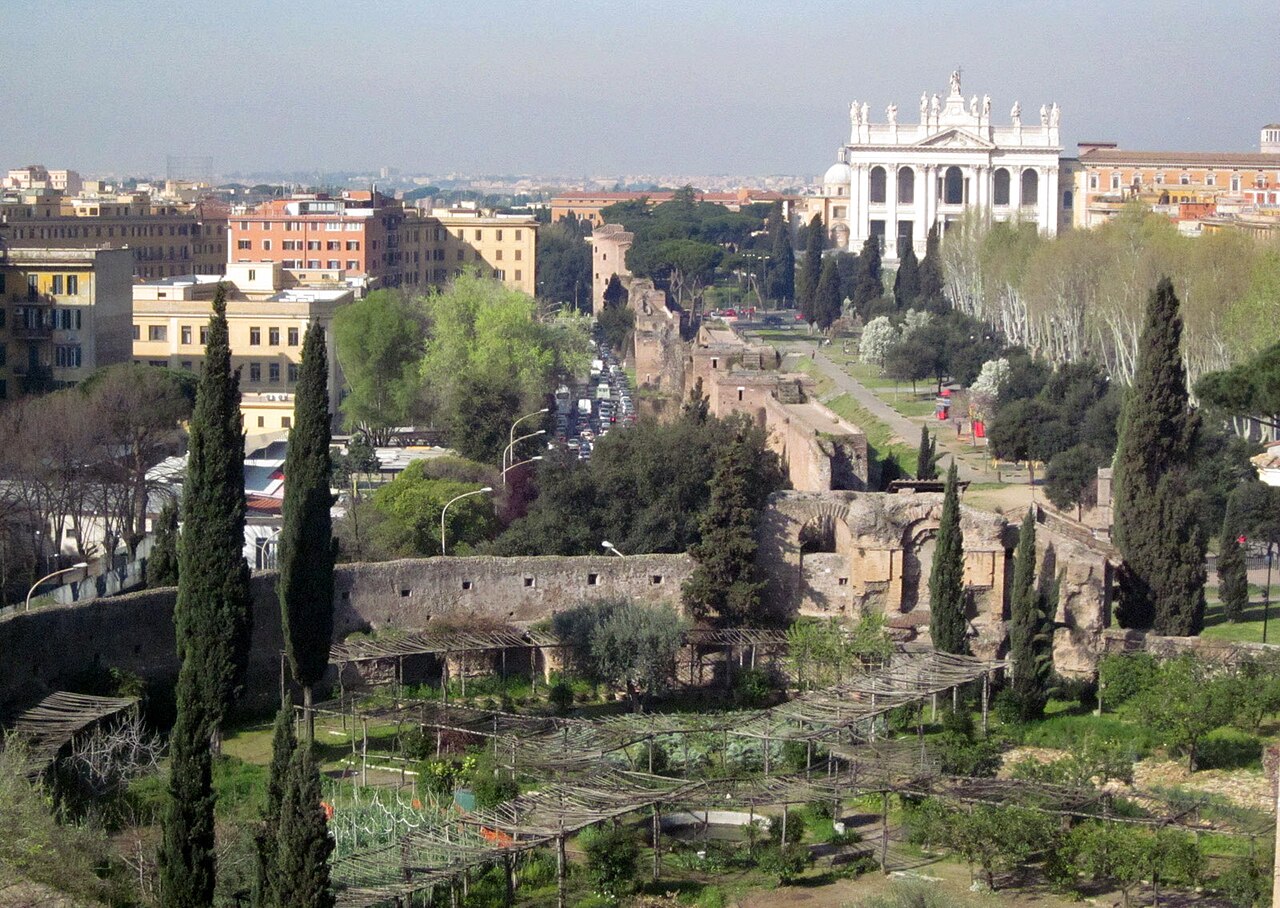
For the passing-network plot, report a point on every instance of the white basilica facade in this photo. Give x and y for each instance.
(895, 180)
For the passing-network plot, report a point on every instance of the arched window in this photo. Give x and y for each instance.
(906, 186)
(877, 185)
(1068, 199)
(1030, 187)
(953, 187)
(1001, 187)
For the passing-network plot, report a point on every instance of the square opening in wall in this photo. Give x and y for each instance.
(593, 580)
(466, 584)
(528, 582)
(346, 595)
(404, 594)
(843, 581)
(656, 579)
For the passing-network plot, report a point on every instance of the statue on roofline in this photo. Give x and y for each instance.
(955, 82)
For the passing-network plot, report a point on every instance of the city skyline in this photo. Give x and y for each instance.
(570, 88)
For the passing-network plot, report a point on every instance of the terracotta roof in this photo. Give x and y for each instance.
(260, 504)
(1179, 158)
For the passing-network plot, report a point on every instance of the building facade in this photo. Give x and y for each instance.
(63, 313)
(268, 313)
(895, 180)
(1187, 186)
(586, 206)
(376, 242)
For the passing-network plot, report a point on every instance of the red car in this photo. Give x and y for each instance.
(731, 313)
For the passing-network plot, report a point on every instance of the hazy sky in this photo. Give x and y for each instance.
(602, 88)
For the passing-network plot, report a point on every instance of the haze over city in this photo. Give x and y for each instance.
(583, 88)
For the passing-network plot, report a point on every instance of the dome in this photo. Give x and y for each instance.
(838, 174)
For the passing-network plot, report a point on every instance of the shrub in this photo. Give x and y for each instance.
(612, 854)
(1123, 677)
(785, 861)
(561, 696)
(913, 894)
(795, 827)
(754, 687)
(1229, 748)
(1246, 882)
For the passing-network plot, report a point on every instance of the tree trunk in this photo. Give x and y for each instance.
(311, 716)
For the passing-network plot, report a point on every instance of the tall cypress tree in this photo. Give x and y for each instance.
(807, 279)
(947, 622)
(1156, 531)
(906, 283)
(162, 564)
(211, 618)
(1233, 576)
(869, 283)
(826, 300)
(212, 615)
(283, 745)
(932, 287)
(186, 855)
(1028, 628)
(927, 456)
(303, 845)
(306, 542)
(724, 581)
(782, 268)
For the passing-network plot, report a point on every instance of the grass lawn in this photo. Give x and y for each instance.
(879, 435)
(868, 374)
(823, 384)
(912, 409)
(1248, 629)
(785, 335)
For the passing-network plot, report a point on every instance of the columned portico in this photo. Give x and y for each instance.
(990, 164)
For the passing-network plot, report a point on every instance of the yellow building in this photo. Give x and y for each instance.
(502, 247)
(63, 313)
(268, 313)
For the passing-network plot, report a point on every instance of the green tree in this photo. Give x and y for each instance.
(725, 581)
(826, 299)
(410, 506)
(1186, 702)
(564, 264)
(283, 745)
(996, 838)
(1233, 578)
(616, 319)
(212, 618)
(303, 844)
(782, 268)
(948, 626)
(306, 555)
(379, 342)
(868, 282)
(927, 455)
(162, 565)
(612, 855)
(807, 279)
(906, 282)
(932, 281)
(1156, 530)
(1030, 629)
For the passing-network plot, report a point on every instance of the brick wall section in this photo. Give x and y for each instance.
(47, 648)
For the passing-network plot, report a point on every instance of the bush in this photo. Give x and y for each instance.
(561, 696)
(913, 894)
(612, 854)
(1229, 748)
(754, 687)
(1123, 677)
(795, 827)
(1246, 883)
(1005, 707)
(1082, 690)
(786, 861)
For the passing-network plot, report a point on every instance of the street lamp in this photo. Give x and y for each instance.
(612, 548)
(75, 567)
(511, 435)
(444, 509)
(507, 450)
(520, 464)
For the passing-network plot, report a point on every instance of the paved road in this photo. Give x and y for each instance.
(904, 428)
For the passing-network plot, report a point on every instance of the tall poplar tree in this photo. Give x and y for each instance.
(306, 553)
(1156, 527)
(807, 279)
(211, 617)
(1030, 643)
(826, 300)
(303, 845)
(927, 456)
(947, 622)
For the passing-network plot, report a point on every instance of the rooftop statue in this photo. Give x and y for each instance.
(955, 82)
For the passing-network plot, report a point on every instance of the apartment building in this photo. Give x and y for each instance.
(375, 242)
(63, 313)
(268, 313)
(1185, 185)
(164, 239)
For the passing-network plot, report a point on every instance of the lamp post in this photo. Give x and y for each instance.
(511, 434)
(445, 509)
(507, 451)
(609, 546)
(75, 567)
(519, 464)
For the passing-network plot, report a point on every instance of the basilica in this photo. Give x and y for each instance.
(894, 180)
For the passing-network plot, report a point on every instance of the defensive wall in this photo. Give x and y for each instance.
(56, 646)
